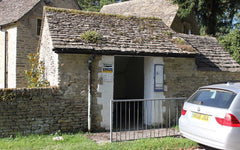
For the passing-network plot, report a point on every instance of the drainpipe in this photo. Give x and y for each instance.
(5, 62)
(5, 57)
(89, 90)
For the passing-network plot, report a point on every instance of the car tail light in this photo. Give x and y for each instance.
(229, 120)
(183, 111)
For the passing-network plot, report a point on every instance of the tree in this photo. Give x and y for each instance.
(95, 5)
(35, 74)
(214, 16)
(231, 42)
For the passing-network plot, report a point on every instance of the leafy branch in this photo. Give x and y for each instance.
(35, 74)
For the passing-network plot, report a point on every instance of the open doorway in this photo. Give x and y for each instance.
(128, 84)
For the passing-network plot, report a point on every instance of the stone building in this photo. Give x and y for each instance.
(20, 24)
(163, 9)
(119, 57)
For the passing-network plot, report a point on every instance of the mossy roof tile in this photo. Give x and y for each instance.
(212, 56)
(12, 10)
(118, 33)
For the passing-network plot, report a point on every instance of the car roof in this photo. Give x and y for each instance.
(230, 86)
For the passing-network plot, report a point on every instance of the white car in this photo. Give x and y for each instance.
(211, 116)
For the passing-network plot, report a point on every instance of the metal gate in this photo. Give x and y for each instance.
(132, 119)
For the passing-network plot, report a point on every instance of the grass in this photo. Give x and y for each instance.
(80, 141)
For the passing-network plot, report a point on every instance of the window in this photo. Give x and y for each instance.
(213, 98)
(39, 23)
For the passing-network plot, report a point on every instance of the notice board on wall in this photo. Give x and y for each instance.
(107, 72)
(158, 77)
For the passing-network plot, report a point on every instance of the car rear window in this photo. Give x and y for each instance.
(213, 98)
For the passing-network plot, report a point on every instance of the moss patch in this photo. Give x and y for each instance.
(182, 44)
(91, 37)
(73, 11)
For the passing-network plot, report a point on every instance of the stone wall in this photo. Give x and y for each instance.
(47, 110)
(48, 56)
(183, 78)
(40, 110)
(71, 4)
(73, 78)
(27, 41)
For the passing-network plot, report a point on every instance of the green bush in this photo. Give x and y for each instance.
(91, 37)
(35, 74)
(231, 42)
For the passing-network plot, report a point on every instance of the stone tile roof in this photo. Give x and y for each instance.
(163, 9)
(212, 56)
(120, 34)
(12, 10)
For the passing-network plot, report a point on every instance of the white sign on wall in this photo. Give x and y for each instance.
(107, 72)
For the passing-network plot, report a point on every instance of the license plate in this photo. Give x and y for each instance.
(200, 116)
